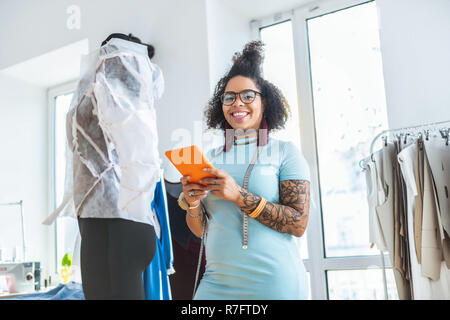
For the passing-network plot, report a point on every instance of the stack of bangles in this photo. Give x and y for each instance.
(258, 209)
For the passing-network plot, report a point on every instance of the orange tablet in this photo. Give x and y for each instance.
(190, 161)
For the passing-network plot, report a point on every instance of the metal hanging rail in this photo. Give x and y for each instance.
(388, 131)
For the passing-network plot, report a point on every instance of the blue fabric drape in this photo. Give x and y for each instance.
(156, 276)
(69, 291)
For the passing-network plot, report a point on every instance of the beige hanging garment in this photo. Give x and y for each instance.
(438, 155)
(431, 242)
(418, 173)
(386, 213)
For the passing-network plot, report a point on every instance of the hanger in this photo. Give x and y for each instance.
(130, 37)
(445, 135)
(406, 138)
(385, 139)
(420, 141)
(427, 133)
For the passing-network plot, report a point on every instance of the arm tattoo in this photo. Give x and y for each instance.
(290, 215)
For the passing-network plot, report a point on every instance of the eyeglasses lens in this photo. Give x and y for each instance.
(247, 96)
(228, 98)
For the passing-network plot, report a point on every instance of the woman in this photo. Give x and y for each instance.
(254, 256)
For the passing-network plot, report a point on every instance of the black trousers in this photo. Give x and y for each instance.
(114, 254)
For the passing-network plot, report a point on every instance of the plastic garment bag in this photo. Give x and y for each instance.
(125, 88)
(113, 163)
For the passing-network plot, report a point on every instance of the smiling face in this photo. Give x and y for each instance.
(240, 115)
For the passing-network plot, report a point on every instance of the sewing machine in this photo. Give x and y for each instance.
(17, 274)
(19, 277)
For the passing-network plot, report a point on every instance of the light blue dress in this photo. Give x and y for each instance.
(271, 267)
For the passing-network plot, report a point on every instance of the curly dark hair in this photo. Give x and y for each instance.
(249, 64)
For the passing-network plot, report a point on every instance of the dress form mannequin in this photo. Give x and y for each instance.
(114, 250)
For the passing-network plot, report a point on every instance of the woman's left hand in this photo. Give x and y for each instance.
(223, 185)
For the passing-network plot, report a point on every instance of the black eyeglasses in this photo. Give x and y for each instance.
(247, 96)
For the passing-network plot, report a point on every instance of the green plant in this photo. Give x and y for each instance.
(67, 260)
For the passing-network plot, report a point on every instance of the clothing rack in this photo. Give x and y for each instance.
(411, 130)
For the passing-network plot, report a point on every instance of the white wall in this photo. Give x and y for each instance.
(228, 32)
(415, 47)
(23, 164)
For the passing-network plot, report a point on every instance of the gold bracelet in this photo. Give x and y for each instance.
(195, 206)
(258, 209)
(182, 202)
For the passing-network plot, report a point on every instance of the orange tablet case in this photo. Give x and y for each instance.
(190, 161)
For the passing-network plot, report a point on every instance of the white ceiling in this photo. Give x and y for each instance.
(255, 9)
(55, 67)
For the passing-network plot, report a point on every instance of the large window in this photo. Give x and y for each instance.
(279, 47)
(364, 284)
(328, 64)
(349, 109)
(66, 227)
(278, 40)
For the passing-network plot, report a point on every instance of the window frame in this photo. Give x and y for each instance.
(316, 264)
(52, 93)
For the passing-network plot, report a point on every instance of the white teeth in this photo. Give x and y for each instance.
(239, 114)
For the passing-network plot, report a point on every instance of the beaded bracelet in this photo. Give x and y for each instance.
(195, 215)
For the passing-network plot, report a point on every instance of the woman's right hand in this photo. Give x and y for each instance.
(193, 192)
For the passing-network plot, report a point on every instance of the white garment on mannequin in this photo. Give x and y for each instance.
(112, 163)
(124, 106)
